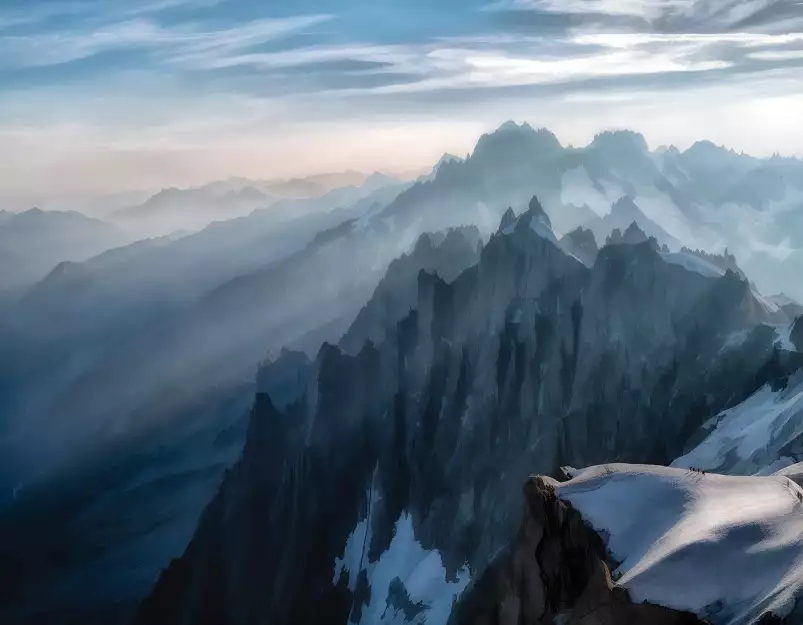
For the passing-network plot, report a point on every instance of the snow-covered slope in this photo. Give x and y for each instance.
(409, 584)
(534, 218)
(760, 435)
(783, 332)
(690, 262)
(727, 548)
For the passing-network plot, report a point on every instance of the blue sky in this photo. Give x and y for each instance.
(97, 96)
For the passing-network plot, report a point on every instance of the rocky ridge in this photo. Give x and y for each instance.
(555, 570)
(526, 361)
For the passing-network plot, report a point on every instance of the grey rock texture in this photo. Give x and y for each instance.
(624, 213)
(554, 571)
(797, 334)
(582, 244)
(525, 362)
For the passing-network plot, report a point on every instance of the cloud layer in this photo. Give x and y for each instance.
(130, 73)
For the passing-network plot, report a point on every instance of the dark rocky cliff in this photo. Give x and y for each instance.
(555, 570)
(525, 362)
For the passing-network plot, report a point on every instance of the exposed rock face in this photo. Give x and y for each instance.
(632, 235)
(725, 261)
(285, 378)
(263, 552)
(554, 571)
(508, 219)
(791, 307)
(696, 541)
(581, 244)
(397, 292)
(797, 334)
(526, 361)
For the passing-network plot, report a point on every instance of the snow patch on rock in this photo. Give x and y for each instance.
(692, 542)
(783, 332)
(751, 436)
(421, 571)
(543, 229)
(694, 263)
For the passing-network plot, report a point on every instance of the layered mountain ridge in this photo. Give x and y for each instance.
(125, 379)
(527, 361)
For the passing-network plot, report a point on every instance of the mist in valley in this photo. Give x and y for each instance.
(295, 327)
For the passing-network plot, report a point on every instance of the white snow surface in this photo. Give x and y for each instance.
(750, 437)
(539, 224)
(766, 303)
(782, 299)
(725, 547)
(692, 262)
(542, 228)
(420, 570)
(784, 337)
(793, 471)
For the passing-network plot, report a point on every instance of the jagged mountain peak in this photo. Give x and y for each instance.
(424, 244)
(582, 236)
(620, 141)
(511, 140)
(633, 235)
(667, 150)
(613, 227)
(626, 205)
(581, 244)
(614, 255)
(508, 219)
(523, 362)
(634, 231)
(447, 158)
(535, 208)
(706, 155)
(512, 126)
(705, 146)
(534, 217)
(448, 162)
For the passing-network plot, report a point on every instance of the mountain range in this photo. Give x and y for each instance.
(35, 241)
(340, 396)
(194, 208)
(405, 460)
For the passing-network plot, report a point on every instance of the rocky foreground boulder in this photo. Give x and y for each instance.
(555, 571)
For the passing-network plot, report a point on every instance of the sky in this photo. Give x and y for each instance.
(102, 96)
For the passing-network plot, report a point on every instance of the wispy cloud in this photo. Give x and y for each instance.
(160, 72)
(60, 47)
(668, 16)
(33, 13)
(466, 63)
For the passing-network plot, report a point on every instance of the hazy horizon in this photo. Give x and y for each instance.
(61, 200)
(98, 99)
(244, 380)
